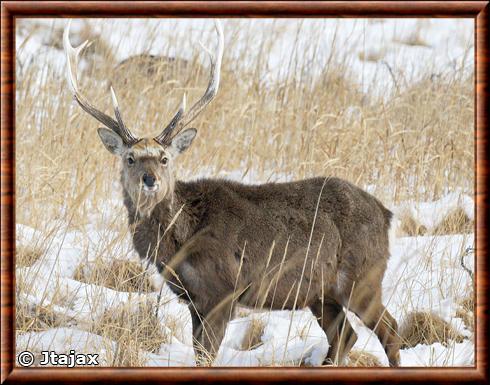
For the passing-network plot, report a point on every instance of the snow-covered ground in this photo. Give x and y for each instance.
(424, 274)
(379, 52)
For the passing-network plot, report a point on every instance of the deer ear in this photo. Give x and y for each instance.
(183, 140)
(111, 141)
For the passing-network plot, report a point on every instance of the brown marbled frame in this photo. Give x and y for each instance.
(479, 10)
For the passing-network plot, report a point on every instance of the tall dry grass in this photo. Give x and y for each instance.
(415, 143)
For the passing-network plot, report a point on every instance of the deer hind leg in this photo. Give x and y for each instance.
(341, 336)
(369, 308)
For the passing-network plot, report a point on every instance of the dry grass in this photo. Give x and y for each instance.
(456, 222)
(253, 335)
(372, 56)
(466, 311)
(414, 39)
(26, 256)
(426, 328)
(121, 275)
(417, 144)
(36, 318)
(409, 226)
(359, 358)
(133, 330)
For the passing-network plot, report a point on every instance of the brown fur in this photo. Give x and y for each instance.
(271, 226)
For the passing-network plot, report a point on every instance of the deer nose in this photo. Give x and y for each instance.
(149, 180)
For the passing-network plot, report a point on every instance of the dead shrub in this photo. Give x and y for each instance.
(29, 318)
(409, 226)
(426, 328)
(133, 330)
(466, 312)
(26, 256)
(359, 358)
(456, 222)
(121, 275)
(253, 336)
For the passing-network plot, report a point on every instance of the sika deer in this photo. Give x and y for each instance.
(320, 243)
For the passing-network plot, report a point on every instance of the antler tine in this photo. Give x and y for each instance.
(119, 118)
(167, 131)
(213, 84)
(209, 94)
(72, 56)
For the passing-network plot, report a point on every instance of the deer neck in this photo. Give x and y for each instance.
(170, 217)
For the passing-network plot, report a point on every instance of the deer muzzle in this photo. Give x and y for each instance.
(149, 183)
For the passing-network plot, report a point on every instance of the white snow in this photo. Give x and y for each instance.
(307, 343)
(423, 274)
(429, 214)
(379, 52)
(461, 354)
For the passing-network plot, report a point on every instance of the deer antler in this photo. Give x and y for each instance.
(72, 56)
(182, 119)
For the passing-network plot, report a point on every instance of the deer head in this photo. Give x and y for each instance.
(147, 163)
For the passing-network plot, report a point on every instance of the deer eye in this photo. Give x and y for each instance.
(130, 160)
(164, 160)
